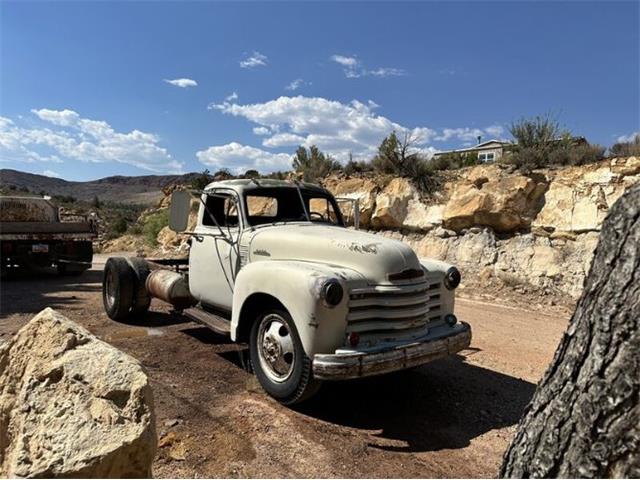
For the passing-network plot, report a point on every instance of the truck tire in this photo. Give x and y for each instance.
(141, 298)
(118, 285)
(278, 359)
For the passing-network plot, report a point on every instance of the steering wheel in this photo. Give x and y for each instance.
(318, 215)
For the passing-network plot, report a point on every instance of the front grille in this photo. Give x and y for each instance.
(386, 312)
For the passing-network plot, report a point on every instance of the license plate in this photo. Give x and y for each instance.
(40, 248)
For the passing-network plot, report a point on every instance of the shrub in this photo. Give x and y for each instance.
(454, 160)
(357, 166)
(626, 149)
(576, 154)
(251, 174)
(202, 180)
(153, 224)
(313, 164)
(398, 157)
(541, 142)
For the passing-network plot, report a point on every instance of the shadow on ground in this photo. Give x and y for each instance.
(30, 291)
(442, 405)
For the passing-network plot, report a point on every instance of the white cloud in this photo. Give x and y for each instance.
(345, 61)
(387, 72)
(51, 173)
(82, 139)
(353, 68)
(283, 140)
(63, 118)
(182, 82)
(627, 138)
(496, 131)
(464, 134)
(232, 97)
(261, 131)
(256, 59)
(240, 158)
(294, 85)
(336, 128)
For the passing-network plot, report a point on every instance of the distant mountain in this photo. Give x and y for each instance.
(144, 189)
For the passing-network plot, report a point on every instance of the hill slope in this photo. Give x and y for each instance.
(144, 190)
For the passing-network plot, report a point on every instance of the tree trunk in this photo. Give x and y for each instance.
(584, 418)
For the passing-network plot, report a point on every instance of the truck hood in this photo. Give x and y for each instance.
(371, 255)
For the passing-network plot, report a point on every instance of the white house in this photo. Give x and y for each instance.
(488, 151)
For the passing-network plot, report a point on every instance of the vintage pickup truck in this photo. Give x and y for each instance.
(273, 265)
(33, 235)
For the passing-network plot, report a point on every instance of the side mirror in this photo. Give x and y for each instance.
(179, 212)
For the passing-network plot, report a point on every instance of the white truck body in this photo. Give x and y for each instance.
(314, 300)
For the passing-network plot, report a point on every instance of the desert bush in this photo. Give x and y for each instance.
(153, 224)
(626, 149)
(353, 167)
(399, 158)
(313, 164)
(202, 180)
(454, 160)
(542, 142)
(251, 174)
(581, 154)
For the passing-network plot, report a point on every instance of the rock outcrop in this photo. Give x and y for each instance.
(538, 230)
(72, 405)
(491, 198)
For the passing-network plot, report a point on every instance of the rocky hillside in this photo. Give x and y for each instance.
(532, 233)
(143, 190)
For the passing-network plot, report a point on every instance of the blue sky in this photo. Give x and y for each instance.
(90, 89)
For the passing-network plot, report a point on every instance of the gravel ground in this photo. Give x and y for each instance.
(450, 418)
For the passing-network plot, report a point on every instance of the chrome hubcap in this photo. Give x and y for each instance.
(275, 348)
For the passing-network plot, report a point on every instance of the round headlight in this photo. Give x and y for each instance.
(332, 293)
(452, 278)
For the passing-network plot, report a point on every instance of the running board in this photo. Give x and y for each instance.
(216, 323)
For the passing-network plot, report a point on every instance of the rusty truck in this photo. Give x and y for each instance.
(272, 264)
(33, 235)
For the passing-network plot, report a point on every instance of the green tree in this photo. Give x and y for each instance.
(251, 174)
(400, 157)
(95, 203)
(202, 180)
(313, 164)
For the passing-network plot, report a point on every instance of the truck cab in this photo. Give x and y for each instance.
(313, 299)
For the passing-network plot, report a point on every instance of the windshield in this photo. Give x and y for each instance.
(271, 205)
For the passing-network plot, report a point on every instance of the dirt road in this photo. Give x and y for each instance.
(451, 418)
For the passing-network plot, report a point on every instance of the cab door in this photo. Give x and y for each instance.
(214, 259)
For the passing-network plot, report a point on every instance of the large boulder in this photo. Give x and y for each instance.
(488, 197)
(579, 198)
(391, 204)
(72, 405)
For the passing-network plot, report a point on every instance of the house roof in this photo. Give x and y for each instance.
(480, 146)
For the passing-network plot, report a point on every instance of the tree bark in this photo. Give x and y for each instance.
(584, 418)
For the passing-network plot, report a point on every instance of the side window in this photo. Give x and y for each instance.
(224, 210)
(321, 210)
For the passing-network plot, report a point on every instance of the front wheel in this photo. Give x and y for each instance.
(278, 359)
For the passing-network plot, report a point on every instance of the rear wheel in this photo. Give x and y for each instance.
(117, 288)
(278, 359)
(141, 298)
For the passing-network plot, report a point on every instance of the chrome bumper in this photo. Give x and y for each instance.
(363, 364)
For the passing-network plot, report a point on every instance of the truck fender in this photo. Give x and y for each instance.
(436, 269)
(297, 286)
